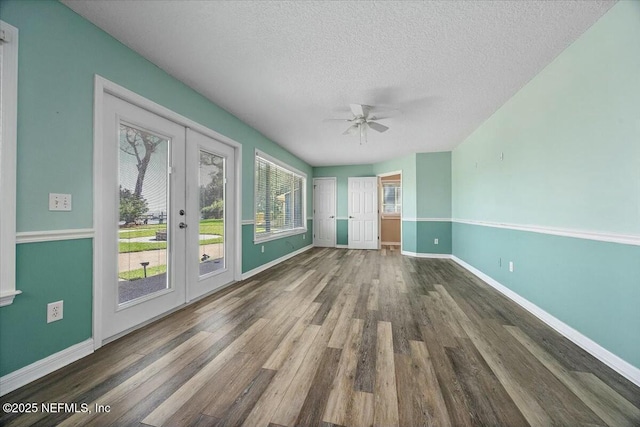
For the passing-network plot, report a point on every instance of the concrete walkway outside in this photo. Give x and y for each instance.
(131, 260)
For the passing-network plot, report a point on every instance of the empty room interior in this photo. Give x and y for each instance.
(320, 213)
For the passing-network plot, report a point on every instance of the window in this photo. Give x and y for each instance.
(8, 126)
(391, 197)
(280, 199)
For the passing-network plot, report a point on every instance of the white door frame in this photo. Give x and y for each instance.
(335, 208)
(382, 175)
(102, 86)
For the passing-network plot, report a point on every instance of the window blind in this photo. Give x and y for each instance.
(279, 199)
(392, 197)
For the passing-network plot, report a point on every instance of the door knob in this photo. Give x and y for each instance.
(182, 225)
(332, 216)
(351, 216)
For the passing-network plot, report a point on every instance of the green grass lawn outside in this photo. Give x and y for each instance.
(139, 273)
(140, 231)
(207, 226)
(127, 247)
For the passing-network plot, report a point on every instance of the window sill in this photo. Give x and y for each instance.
(276, 236)
(391, 216)
(7, 298)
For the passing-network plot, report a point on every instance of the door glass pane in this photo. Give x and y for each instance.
(143, 237)
(212, 193)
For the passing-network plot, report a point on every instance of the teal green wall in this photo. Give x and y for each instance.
(571, 148)
(419, 236)
(433, 185)
(409, 236)
(570, 140)
(427, 231)
(342, 232)
(433, 200)
(59, 54)
(252, 255)
(47, 272)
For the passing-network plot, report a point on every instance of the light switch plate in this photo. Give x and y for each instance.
(59, 202)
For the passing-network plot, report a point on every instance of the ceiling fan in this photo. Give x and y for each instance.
(362, 121)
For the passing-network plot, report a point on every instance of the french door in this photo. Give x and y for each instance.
(210, 197)
(168, 216)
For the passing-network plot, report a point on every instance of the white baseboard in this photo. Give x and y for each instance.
(423, 255)
(619, 365)
(39, 369)
(277, 261)
(342, 246)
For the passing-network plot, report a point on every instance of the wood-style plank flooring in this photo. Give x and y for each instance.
(337, 337)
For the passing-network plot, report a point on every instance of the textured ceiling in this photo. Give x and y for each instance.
(440, 68)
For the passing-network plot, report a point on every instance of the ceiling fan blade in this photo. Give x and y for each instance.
(353, 130)
(356, 109)
(336, 120)
(359, 110)
(377, 126)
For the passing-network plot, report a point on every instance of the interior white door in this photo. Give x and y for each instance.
(142, 182)
(363, 213)
(324, 212)
(210, 214)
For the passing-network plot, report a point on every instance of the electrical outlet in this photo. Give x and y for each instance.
(59, 202)
(262, 249)
(511, 266)
(435, 241)
(54, 311)
(304, 236)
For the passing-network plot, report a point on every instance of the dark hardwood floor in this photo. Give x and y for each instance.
(338, 337)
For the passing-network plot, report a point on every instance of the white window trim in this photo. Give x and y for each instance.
(8, 149)
(282, 234)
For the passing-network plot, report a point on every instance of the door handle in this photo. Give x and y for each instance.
(182, 225)
(332, 216)
(351, 216)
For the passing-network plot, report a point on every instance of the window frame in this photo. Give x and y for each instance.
(398, 204)
(280, 234)
(8, 150)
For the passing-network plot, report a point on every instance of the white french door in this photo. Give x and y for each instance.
(210, 200)
(363, 213)
(324, 212)
(167, 221)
